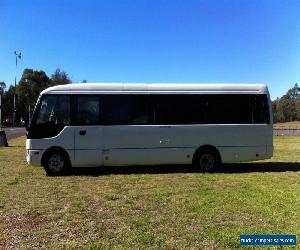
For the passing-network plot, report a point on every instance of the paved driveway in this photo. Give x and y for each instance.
(14, 132)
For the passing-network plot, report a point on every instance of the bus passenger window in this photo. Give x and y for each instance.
(128, 110)
(88, 110)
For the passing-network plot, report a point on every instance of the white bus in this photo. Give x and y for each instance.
(121, 124)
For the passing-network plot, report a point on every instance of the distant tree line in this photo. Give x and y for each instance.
(28, 89)
(287, 108)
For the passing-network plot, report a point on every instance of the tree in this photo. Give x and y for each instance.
(287, 108)
(293, 93)
(2, 87)
(8, 100)
(59, 77)
(275, 111)
(28, 90)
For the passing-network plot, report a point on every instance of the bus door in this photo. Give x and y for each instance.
(88, 132)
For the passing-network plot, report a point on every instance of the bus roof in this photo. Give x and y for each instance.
(157, 88)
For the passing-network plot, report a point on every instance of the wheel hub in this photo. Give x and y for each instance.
(207, 161)
(56, 163)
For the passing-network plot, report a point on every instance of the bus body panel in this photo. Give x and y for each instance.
(145, 145)
(36, 147)
(88, 146)
(156, 144)
(148, 156)
(242, 154)
(170, 144)
(83, 151)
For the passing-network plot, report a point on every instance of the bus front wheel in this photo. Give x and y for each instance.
(207, 159)
(56, 162)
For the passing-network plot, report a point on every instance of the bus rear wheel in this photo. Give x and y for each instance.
(56, 163)
(207, 160)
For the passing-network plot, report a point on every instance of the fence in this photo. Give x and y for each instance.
(286, 131)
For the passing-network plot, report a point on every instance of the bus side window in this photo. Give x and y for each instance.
(128, 110)
(261, 112)
(179, 109)
(88, 110)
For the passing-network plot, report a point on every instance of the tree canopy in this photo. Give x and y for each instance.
(287, 108)
(59, 77)
(2, 87)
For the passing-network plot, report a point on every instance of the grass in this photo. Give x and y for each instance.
(148, 207)
(295, 124)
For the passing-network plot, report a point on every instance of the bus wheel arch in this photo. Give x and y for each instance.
(207, 158)
(56, 161)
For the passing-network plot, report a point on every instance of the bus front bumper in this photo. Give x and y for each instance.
(34, 157)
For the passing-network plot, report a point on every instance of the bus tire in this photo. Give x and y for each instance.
(207, 159)
(56, 162)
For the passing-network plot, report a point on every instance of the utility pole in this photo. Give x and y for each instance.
(3, 140)
(18, 56)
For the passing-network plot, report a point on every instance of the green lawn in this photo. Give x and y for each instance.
(148, 207)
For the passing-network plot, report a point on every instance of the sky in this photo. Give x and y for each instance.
(185, 41)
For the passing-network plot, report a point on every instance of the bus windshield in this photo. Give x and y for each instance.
(53, 110)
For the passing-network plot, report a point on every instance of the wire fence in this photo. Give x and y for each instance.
(286, 131)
